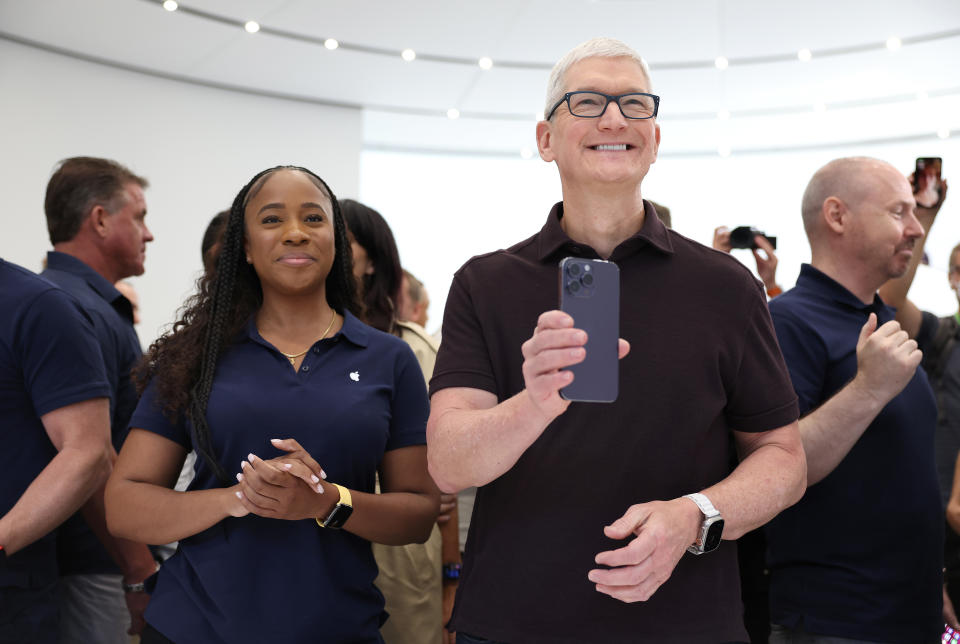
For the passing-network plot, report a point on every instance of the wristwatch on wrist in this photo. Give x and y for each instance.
(710, 530)
(341, 511)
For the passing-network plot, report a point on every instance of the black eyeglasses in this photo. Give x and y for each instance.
(591, 105)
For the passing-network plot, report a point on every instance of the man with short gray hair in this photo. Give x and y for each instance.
(609, 522)
(96, 213)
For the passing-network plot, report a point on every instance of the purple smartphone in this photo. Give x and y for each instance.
(590, 294)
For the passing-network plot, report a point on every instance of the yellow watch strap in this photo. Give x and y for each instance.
(345, 499)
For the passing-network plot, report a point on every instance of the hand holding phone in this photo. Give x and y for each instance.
(590, 294)
(927, 181)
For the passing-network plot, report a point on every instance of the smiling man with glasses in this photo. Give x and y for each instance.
(585, 511)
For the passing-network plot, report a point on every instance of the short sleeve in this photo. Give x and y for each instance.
(149, 415)
(410, 408)
(929, 326)
(62, 363)
(761, 398)
(463, 359)
(806, 356)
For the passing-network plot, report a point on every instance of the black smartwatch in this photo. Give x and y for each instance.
(341, 511)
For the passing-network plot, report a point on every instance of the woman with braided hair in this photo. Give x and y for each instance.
(268, 374)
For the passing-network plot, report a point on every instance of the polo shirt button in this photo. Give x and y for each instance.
(316, 349)
(305, 368)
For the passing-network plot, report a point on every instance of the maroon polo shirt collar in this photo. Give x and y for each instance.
(652, 233)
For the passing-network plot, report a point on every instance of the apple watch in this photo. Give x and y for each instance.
(340, 512)
(710, 530)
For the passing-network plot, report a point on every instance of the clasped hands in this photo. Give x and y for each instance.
(290, 486)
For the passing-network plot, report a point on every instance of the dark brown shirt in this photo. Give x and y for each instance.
(704, 361)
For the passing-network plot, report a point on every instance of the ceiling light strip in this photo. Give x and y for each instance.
(663, 153)
(480, 115)
(528, 65)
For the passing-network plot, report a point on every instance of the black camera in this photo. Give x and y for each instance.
(742, 237)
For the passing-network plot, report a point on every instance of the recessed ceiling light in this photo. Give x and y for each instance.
(408, 55)
(723, 115)
(485, 63)
(804, 55)
(331, 43)
(252, 26)
(453, 113)
(526, 153)
(170, 5)
(943, 133)
(721, 62)
(894, 43)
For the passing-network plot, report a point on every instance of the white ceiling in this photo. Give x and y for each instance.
(869, 95)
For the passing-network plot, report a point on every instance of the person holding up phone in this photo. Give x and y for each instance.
(937, 338)
(590, 517)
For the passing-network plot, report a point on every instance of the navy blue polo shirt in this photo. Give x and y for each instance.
(860, 556)
(112, 315)
(48, 360)
(251, 579)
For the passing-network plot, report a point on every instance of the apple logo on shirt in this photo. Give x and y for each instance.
(355, 376)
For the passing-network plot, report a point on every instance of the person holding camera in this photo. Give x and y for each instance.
(749, 238)
(859, 558)
(600, 522)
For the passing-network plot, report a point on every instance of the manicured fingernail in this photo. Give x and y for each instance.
(239, 495)
(250, 457)
(320, 489)
(313, 477)
(323, 475)
(287, 466)
(276, 440)
(244, 464)
(239, 476)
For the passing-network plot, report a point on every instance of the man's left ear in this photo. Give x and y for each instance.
(100, 220)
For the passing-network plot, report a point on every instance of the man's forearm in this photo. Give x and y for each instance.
(769, 479)
(57, 492)
(471, 447)
(830, 431)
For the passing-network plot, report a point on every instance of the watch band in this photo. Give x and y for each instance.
(451, 571)
(704, 504)
(140, 586)
(346, 501)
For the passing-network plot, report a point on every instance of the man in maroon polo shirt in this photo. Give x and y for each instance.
(585, 511)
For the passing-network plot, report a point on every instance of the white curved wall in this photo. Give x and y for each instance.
(197, 145)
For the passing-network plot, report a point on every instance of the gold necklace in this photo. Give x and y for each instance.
(292, 357)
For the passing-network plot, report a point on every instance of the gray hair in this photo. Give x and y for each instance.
(595, 48)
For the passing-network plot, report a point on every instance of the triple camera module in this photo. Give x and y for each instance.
(578, 279)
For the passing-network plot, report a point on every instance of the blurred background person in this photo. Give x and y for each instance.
(937, 338)
(231, 380)
(55, 429)
(210, 246)
(95, 211)
(418, 580)
(414, 301)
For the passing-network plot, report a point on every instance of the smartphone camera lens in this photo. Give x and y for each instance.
(574, 287)
(587, 279)
(574, 270)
